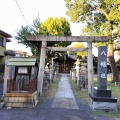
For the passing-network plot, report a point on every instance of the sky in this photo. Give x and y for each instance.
(11, 18)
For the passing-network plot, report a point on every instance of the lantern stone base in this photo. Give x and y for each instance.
(18, 99)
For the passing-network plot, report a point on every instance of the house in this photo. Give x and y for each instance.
(18, 53)
(4, 37)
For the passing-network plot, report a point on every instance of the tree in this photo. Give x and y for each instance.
(51, 26)
(29, 30)
(102, 18)
(79, 54)
(55, 26)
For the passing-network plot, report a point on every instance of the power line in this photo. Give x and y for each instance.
(21, 11)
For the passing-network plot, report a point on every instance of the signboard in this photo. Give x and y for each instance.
(22, 70)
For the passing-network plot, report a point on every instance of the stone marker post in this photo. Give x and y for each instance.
(101, 97)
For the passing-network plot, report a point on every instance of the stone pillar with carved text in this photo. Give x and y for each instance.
(101, 98)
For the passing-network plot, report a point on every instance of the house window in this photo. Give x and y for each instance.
(1, 41)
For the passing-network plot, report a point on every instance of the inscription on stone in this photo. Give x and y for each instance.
(102, 67)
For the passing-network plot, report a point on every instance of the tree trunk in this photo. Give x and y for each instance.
(112, 62)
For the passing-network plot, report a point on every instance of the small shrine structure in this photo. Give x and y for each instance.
(20, 89)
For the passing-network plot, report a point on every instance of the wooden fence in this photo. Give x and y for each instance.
(19, 86)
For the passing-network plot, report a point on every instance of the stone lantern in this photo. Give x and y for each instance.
(83, 75)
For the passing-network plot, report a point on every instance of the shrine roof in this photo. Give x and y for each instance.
(71, 56)
(68, 57)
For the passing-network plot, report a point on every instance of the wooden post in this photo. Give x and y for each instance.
(90, 67)
(41, 68)
(6, 75)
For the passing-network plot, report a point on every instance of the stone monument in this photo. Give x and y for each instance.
(101, 97)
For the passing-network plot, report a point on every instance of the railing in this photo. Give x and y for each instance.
(18, 86)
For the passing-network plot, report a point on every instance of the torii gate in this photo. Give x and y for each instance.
(44, 39)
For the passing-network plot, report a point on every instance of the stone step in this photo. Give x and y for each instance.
(18, 100)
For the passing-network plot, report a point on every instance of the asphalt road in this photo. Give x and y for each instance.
(44, 114)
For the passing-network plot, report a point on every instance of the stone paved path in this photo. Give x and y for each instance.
(64, 97)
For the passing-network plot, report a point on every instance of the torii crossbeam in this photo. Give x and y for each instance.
(66, 49)
(67, 38)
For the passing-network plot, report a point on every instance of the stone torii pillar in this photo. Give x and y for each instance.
(90, 67)
(41, 68)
